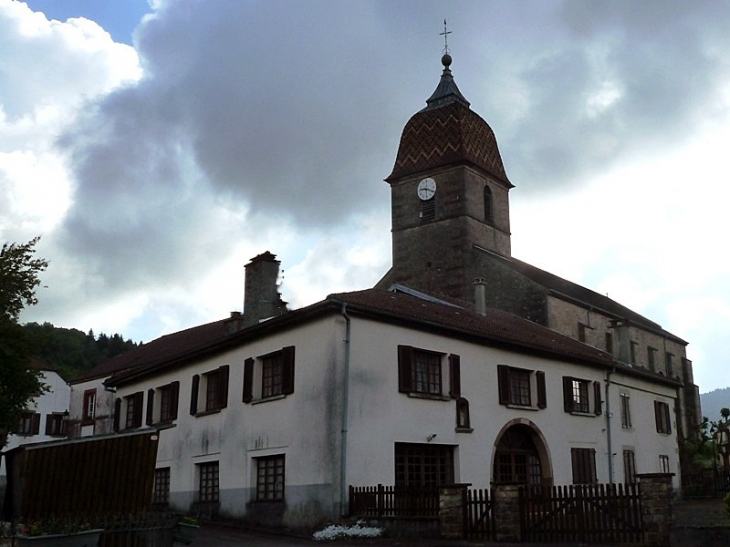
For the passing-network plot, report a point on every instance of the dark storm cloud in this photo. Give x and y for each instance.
(664, 62)
(291, 110)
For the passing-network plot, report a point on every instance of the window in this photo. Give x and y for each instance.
(629, 467)
(208, 487)
(582, 332)
(516, 460)
(134, 410)
(161, 493)
(663, 464)
(488, 205)
(424, 465)
(270, 478)
(662, 417)
(56, 424)
(213, 386)
(577, 396)
(633, 346)
(625, 411)
(168, 402)
(669, 364)
(428, 209)
(462, 415)
(609, 342)
(29, 424)
(584, 465)
(516, 386)
(162, 404)
(87, 413)
(420, 372)
(271, 375)
(651, 358)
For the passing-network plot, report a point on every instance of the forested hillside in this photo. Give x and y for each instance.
(71, 352)
(714, 401)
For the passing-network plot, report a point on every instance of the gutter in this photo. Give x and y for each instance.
(609, 415)
(345, 405)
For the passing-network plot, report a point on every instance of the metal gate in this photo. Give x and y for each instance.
(600, 513)
(478, 514)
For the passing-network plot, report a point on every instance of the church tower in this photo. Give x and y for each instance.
(449, 196)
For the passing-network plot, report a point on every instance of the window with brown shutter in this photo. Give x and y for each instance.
(150, 406)
(273, 374)
(134, 404)
(420, 372)
(578, 396)
(89, 409)
(515, 387)
(194, 394)
(248, 380)
(662, 417)
(583, 461)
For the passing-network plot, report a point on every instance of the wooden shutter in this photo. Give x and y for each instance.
(138, 402)
(287, 370)
(223, 373)
(35, 424)
(49, 424)
(194, 395)
(405, 379)
(541, 390)
(174, 399)
(597, 399)
(568, 393)
(668, 418)
(503, 384)
(150, 405)
(455, 376)
(117, 412)
(248, 380)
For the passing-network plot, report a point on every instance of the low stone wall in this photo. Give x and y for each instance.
(699, 536)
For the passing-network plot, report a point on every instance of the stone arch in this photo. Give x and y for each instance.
(521, 443)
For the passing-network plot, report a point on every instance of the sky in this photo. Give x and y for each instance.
(158, 146)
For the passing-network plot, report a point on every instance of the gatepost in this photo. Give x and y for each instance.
(507, 512)
(452, 510)
(657, 501)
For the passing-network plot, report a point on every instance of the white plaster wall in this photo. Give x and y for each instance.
(381, 416)
(304, 426)
(103, 412)
(56, 399)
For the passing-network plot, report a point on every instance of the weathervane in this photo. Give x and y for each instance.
(445, 34)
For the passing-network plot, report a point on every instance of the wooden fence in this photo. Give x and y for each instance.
(90, 476)
(394, 501)
(602, 513)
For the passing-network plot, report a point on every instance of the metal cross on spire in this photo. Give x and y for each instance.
(445, 34)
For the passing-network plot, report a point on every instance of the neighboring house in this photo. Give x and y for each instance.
(462, 365)
(45, 417)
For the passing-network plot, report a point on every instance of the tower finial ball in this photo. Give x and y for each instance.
(446, 60)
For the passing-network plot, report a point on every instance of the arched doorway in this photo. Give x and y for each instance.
(520, 457)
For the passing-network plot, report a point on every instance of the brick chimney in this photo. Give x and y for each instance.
(261, 297)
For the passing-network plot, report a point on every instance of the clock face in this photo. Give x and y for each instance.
(426, 189)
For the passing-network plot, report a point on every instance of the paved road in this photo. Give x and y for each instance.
(222, 536)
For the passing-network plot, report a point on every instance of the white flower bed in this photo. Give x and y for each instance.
(357, 530)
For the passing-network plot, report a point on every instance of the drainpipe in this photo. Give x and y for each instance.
(345, 404)
(608, 425)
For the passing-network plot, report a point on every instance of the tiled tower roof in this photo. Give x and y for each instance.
(447, 131)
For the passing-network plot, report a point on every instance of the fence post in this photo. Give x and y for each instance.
(657, 501)
(507, 524)
(451, 510)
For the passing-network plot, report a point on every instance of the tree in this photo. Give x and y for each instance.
(19, 383)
